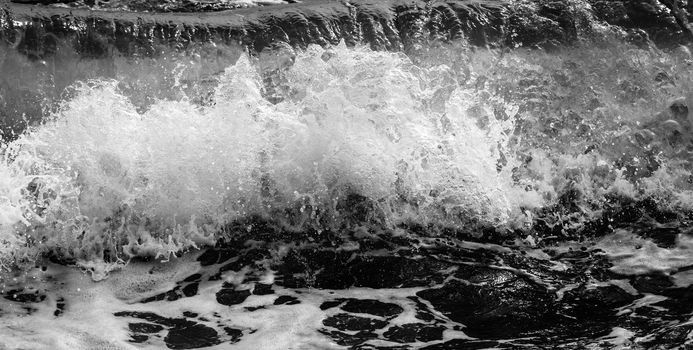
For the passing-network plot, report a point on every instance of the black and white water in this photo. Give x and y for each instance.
(375, 180)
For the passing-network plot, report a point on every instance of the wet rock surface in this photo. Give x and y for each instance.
(413, 332)
(286, 300)
(476, 296)
(228, 296)
(495, 311)
(181, 333)
(347, 322)
(373, 307)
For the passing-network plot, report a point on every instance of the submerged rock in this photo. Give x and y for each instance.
(286, 300)
(373, 307)
(412, 332)
(229, 296)
(191, 336)
(346, 322)
(181, 332)
(140, 327)
(511, 309)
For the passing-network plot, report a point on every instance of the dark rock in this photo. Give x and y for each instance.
(654, 284)
(60, 307)
(234, 333)
(262, 289)
(346, 322)
(646, 319)
(182, 334)
(138, 338)
(412, 332)
(679, 302)
(462, 344)
(394, 271)
(331, 270)
(247, 258)
(232, 297)
(193, 278)
(422, 311)
(330, 304)
(141, 327)
(171, 295)
(191, 335)
(670, 337)
(504, 310)
(597, 303)
(19, 295)
(346, 339)
(149, 316)
(424, 316)
(216, 255)
(190, 290)
(190, 314)
(209, 257)
(254, 308)
(647, 16)
(574, 255)
(286, 299)
(664, 237)
(373, 307)
(484, 275)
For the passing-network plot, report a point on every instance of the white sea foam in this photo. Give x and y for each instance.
(634, 255)
(108, 176)
(100, 180)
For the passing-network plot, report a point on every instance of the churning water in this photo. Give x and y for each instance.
(363, 183)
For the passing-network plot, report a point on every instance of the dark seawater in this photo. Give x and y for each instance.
(345, 175)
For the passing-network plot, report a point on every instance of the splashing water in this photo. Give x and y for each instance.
(99, 179)
(449, 137)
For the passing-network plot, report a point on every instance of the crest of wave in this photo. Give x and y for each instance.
(100, 181)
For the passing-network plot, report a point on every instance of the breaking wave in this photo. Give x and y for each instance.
(472, 140)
